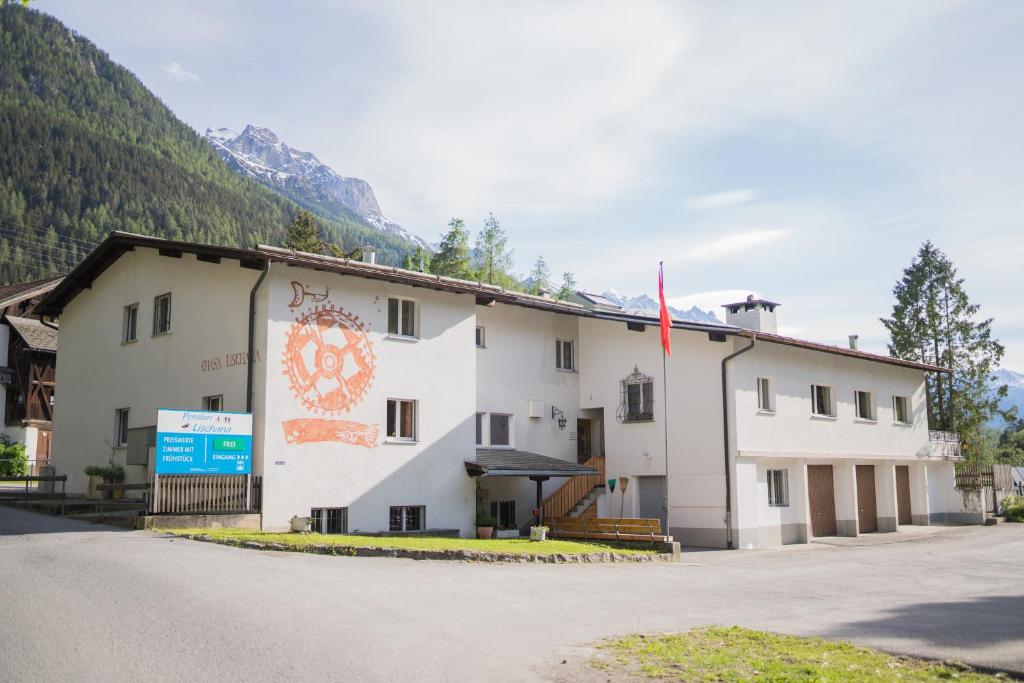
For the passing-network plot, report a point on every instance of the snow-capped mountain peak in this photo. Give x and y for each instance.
(259, 153)
(645, 304)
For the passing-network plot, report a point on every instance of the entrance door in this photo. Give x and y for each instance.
(652, 500)
(822, 498)
(903, 515)
(582, 441)
(867, 512)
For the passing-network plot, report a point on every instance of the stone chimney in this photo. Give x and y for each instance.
(369, 254)
(853, 342)
(753, 314)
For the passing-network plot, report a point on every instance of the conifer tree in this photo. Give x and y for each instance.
(568, 286)
(493, 257)
(933, 321)
(540, 277)
(303, 234)
(452, 257)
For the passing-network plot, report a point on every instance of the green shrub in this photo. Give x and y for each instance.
(94, 471)
(1013, 508)
(13, 461)
(113, 473)
(483, 520)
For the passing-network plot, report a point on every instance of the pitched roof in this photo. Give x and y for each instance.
(112, 248)
(506, 462)
(36, 335)
(20, 291)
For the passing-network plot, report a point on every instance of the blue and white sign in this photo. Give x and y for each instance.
(203, 442)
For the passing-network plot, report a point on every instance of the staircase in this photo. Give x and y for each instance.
(576, 494)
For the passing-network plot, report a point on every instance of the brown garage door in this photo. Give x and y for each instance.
(822, 497)
(867, 512)
(903, 494)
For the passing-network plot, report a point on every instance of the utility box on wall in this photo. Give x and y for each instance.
(536, 409)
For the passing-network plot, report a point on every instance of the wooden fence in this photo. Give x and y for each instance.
(202, 494)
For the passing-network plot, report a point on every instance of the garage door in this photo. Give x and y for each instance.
(903, 494)
(867, 512)
(822, 499)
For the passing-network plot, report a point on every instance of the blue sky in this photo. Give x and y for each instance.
(798, 150)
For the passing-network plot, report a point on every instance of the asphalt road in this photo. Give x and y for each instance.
(91, 603)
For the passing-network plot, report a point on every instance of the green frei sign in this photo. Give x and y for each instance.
(228, 444)
(611, 484)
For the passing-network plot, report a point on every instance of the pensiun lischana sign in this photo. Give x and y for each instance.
(203, 442)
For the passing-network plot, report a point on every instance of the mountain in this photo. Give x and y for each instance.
(645, 305)
(86, 148)
(259, 154)
(1014, 397)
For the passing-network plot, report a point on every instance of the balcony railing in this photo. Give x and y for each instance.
(944, 445)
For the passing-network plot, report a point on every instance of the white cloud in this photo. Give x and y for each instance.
(722, 200)
(731, 245)
(179, 74)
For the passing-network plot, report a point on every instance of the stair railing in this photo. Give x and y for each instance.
(569, 494)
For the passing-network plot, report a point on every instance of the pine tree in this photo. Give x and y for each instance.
(568, 286)
(303, 234)
(933, 321)
(452, 257)
(540, 277)
(493, 257)
(419, 259)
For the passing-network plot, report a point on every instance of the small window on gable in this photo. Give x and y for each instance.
(765, 396)
(480, 337)
(564, 354)
(402, 317)
(778, 488)
(901, 409)
(821, 401)
(865, 405)
(162, 314)
(130, 324)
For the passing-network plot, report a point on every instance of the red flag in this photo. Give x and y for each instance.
(666, 319)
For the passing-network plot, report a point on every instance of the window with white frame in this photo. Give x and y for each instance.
(500, 429)
(214, 403)
(401, 422)
(504, 512)
(564, 354)
(121, 427)
(865, 403)
(402, 317)
(901, 409)
(765, 397)
(329, 520)
(481, 337)
(778, 488)
(407, 518)
(162, 314)
(130, 324)
(821, 401)
(480, 429)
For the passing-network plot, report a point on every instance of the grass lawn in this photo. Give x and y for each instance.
(738, 654)
(500, 545)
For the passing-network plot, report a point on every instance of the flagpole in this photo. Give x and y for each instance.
(665, 321)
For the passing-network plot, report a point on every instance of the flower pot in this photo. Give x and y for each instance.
(484, 532)
(538, 533)
(301, 525)
(91, 493)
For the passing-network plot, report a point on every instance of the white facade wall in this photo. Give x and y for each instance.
(97, 374)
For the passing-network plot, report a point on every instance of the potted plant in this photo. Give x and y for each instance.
(95, 474)
(484, 525)
(538, 533)
(114, 474)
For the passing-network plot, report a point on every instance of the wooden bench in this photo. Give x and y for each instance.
(608, 529)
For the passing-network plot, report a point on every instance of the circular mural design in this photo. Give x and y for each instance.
(328, 360)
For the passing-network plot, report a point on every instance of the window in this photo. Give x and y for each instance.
(401, 317)
(130, 324)
(407, 518)
(640, 402)
(504, 511)
(121, 427)
(215, 403)
(821, 398)
(765, 398)
(901, 409)
(329, 520)
(778, 488)
(480, 337)
(865, 405)
(140, 440)
(401, 420)
(162, 314)
(480, 429)
(501, 432)
(563, 354)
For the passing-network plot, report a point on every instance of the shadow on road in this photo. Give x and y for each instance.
(15, 521)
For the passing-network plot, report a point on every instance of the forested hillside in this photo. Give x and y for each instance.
(85, 149)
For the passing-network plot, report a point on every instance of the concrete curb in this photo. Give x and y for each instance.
(449, 555)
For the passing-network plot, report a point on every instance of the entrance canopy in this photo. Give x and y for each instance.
(506, 462)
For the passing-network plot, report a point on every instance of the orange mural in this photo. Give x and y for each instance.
(329, 362)
(300, 294)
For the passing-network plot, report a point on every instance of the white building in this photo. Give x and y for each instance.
(377, 391)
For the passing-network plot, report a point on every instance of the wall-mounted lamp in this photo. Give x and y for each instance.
(560, 416)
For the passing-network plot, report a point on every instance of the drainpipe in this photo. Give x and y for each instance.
(725, 430)
(250, 369)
